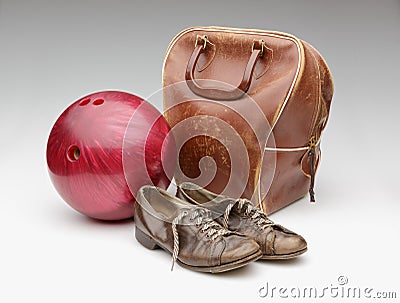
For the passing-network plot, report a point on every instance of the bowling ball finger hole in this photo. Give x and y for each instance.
(73, 153)
(98, 102)
(84, 102)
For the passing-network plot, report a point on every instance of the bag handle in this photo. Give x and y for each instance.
(217, 93)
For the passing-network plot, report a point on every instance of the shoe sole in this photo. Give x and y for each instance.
(284, 257)
(224, 267)
(148, 242)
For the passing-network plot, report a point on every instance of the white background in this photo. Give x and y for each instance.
(53, 52)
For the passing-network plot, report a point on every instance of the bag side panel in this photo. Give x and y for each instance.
(293, 129)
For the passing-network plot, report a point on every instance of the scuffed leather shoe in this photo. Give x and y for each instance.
(188, 231)
(276, 242)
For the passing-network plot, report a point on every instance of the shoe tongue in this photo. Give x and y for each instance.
(245, 205)
(218, 206)
(189, 216)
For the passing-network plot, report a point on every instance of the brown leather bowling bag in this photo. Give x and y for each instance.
(247, 109)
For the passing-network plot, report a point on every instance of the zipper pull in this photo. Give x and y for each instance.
(311, 154)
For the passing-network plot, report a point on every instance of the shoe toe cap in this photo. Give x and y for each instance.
(288, 243)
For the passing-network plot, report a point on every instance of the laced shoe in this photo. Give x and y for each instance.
(239, 215)
(189, 233)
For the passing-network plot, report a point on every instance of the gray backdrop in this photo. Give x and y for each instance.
(53, 52)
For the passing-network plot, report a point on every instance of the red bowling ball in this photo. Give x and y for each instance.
(103, 148)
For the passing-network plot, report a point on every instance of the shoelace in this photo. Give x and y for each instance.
(202, 218)
(250, 211)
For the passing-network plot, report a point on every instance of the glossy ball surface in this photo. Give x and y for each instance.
(103, 148)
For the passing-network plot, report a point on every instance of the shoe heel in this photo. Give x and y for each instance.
(144, 239)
